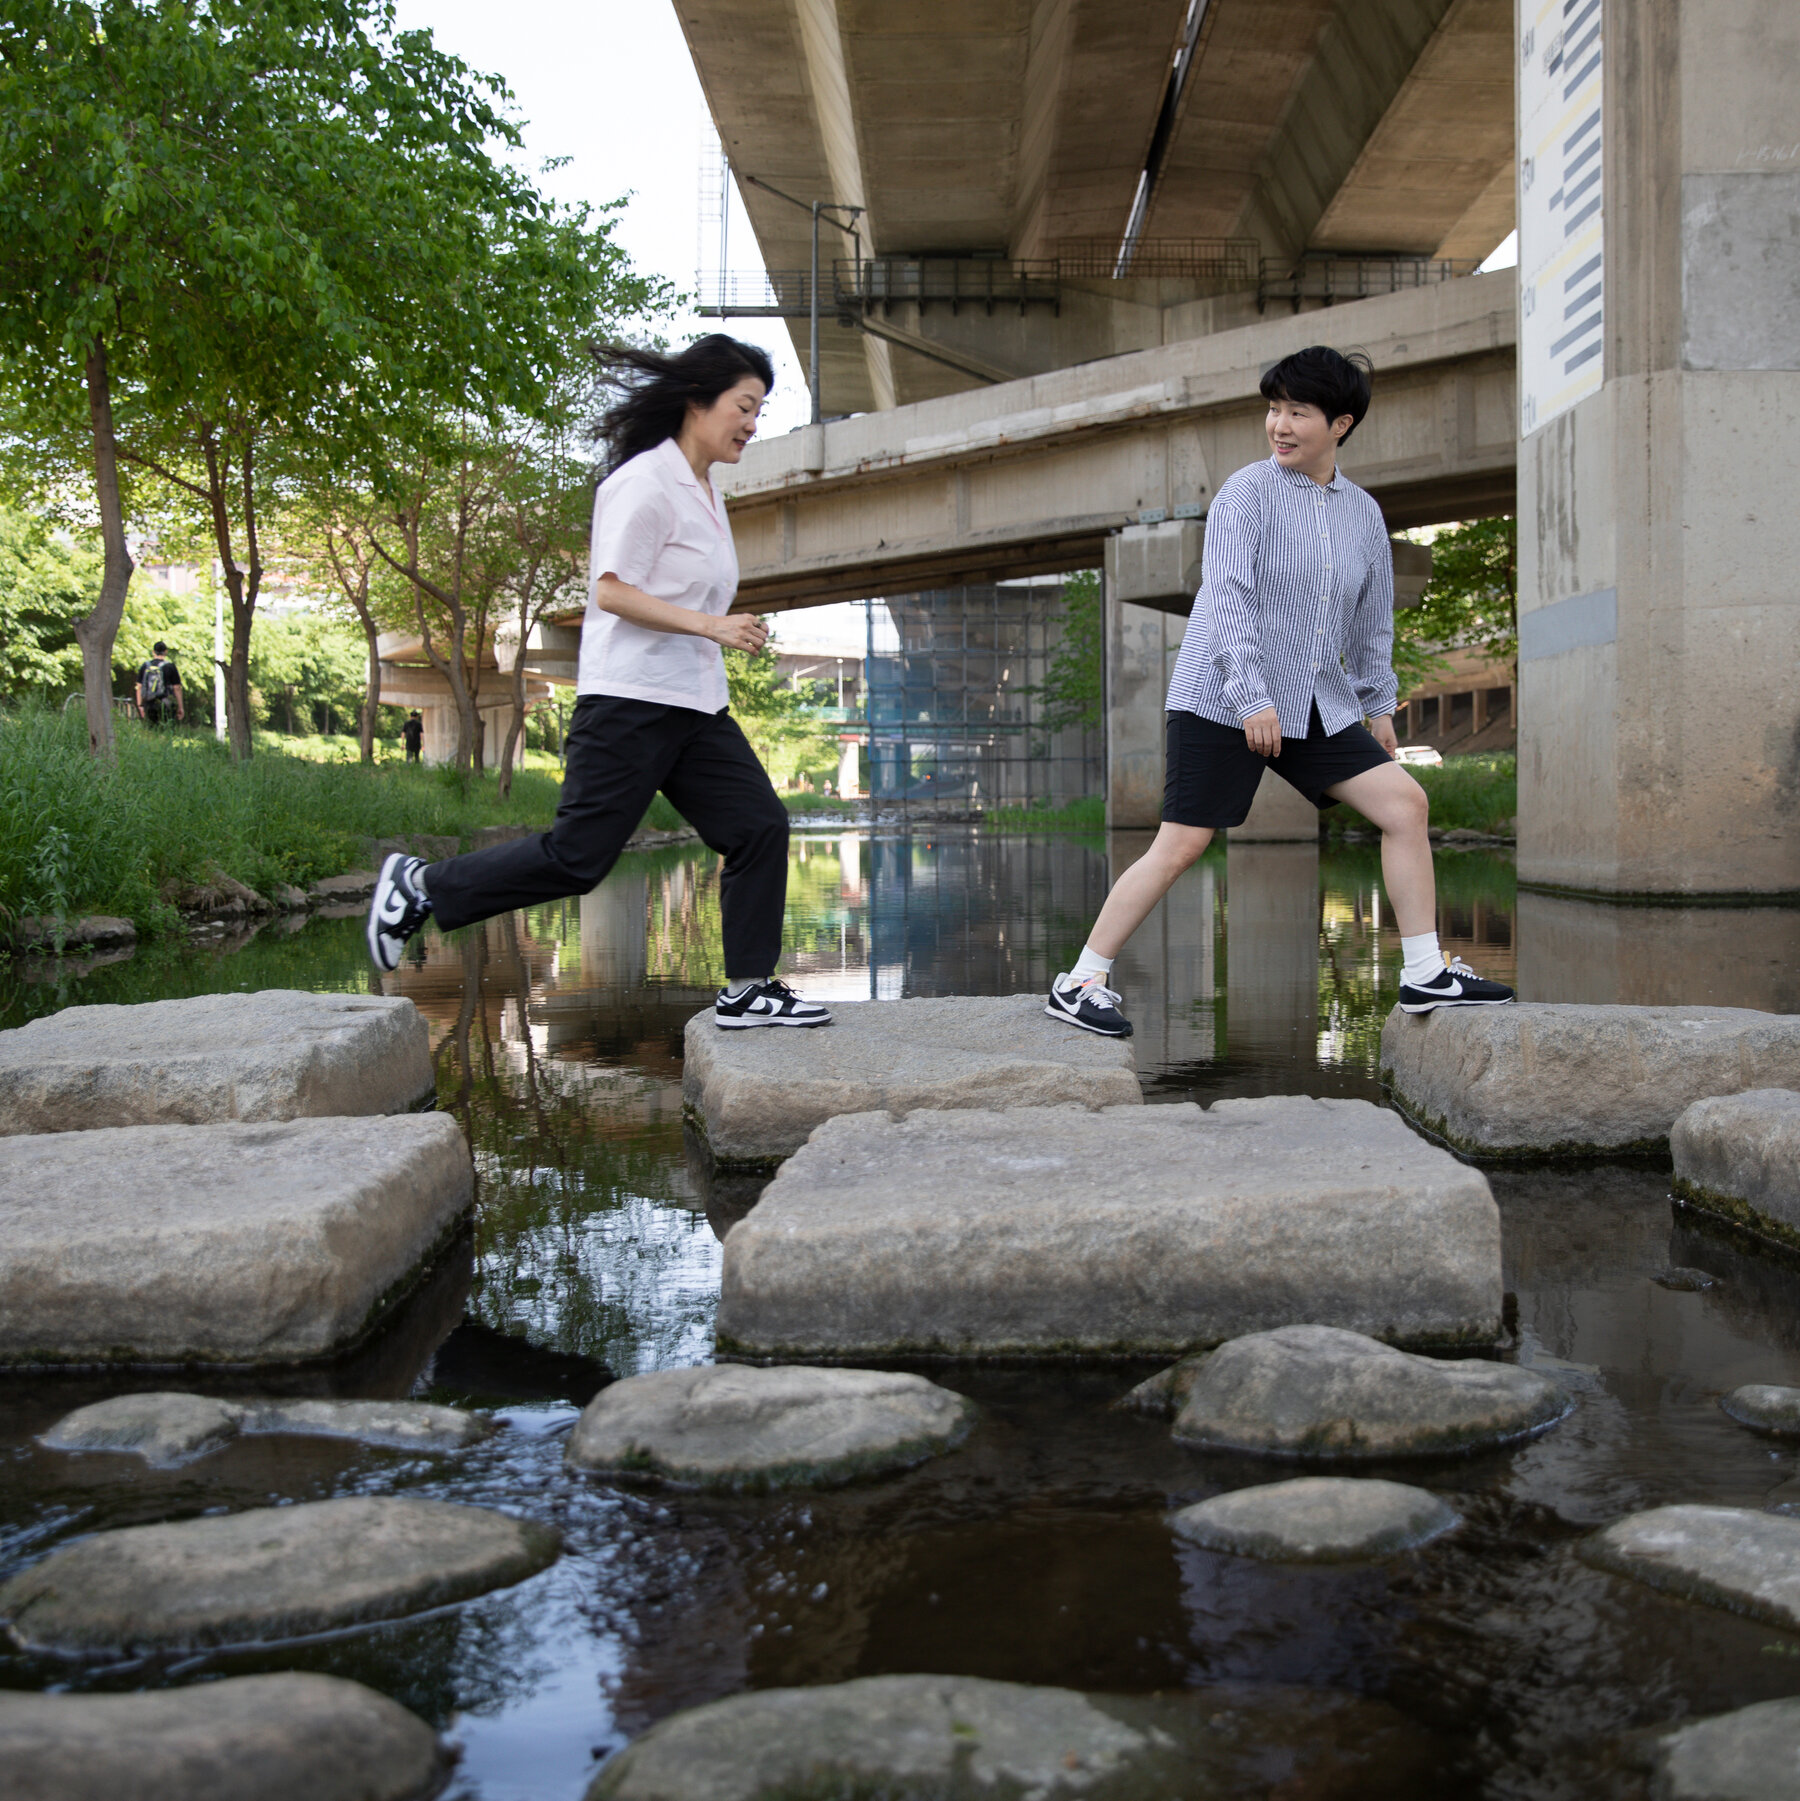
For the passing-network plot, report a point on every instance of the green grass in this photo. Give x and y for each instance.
(125, 838)
(1088, 814)
(1477, 794)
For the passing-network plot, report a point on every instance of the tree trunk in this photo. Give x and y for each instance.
(372, 697)
(237, 673)
(515, 726)
(95, 633)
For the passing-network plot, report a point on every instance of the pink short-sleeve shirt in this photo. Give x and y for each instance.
(659, 528)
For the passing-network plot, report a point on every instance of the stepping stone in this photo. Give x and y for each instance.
(269, 1573)
(1317, 1519)
(1055, 1232)
(279, 1054)
(1318, 1393)
(758, 1094)
(1763, 1407)
(1750, 1755)
(961, 1738)
(1730, 1557)
(236, 1244)
(170, 1429)
(726, 1426)
(1534, 1080)
(1738, 1156)
(289, 1737)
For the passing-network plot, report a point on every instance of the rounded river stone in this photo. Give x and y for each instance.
(1317, 1519)
(289, 1737)
(269, 1573)
(1765, 1407)
(1750, 1755)
(733, 1426)
(1731, 1557)
(1321, 1393)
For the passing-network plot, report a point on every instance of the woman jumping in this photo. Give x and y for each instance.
(651, 706)
(1288, 649)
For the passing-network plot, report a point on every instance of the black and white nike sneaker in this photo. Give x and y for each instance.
(1458, 986)
(1087, 1002)
(770, 1003)
(398, 909)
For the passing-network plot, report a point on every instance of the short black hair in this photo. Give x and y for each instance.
(159, 649)
(1329, 379)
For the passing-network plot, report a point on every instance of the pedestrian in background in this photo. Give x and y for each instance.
(159, 687)
(414, 733)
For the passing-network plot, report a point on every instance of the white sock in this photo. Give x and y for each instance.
(418, 880)
(1421, 959)
(734, 989)
(1090, 963)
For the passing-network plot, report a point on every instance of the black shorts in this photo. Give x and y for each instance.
(1213, 772)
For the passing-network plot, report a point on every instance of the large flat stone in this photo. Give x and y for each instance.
(1317, 1519)
(962, 1738)
(724, 1426)
(1536, 1080)
(269, 1573)
(172, 1428)
(288, 1737)
(1052, 1231)
(1319, 1393)
(1738, 1155)
(1731, 1557)
(250, 1244)
(758, 1094)
(1750, 1755)
(278, 1054)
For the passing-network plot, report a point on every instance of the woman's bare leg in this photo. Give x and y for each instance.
(1389, 799)
(1136, 892)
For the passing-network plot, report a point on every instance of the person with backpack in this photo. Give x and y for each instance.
(652, 706)
(159, 687)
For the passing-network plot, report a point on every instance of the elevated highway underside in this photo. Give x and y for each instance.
(1033, 476)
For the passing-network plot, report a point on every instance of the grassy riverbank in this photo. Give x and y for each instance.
(173, 811)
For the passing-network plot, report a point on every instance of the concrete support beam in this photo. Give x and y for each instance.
(1659, 610)
(1138, 655)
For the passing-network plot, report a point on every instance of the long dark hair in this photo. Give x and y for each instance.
(655, 390)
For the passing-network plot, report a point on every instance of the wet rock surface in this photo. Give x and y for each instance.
(268, 1573)
(170, 1429)
(1538, 1080)
(758, 1094)
(251, 1244)
(1135, 1230)
(274, 1054)
(1765, 1407)
(1317, 1519)
(959, 1738)
(1739, 1155)
(1752, 1754)
(287, 1737)
(1163, 1395)
(1725, 1556)
(92, 931)
(1318, 1393)
(727, 1426)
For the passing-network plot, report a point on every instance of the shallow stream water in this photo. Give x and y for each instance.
(1038, 1552)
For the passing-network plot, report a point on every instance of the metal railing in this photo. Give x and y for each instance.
(1330, 278)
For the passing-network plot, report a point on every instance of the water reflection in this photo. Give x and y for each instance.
(1039, 1551)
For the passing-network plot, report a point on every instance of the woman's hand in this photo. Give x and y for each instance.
(741, 631)
(1262, 732)
(1381, 728)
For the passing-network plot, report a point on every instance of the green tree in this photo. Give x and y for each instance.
(781, 719)
(1470, 603)
(306, 666)
(1071, 693)
(47, 582)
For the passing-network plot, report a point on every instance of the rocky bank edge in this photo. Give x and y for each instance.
(288, 1737)
(726, 1426)
(267, 1573)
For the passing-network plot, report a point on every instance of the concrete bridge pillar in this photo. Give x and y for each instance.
(1659, 543)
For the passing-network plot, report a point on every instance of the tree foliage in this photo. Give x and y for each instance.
(1470, 603)
(1071, 694)
(781, 719)
(47, 582)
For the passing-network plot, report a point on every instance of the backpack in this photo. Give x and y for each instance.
(156, 683)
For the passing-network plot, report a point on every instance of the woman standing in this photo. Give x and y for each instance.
(1288, 650)
(651, 700)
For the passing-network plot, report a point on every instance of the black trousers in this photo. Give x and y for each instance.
(619, 753)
